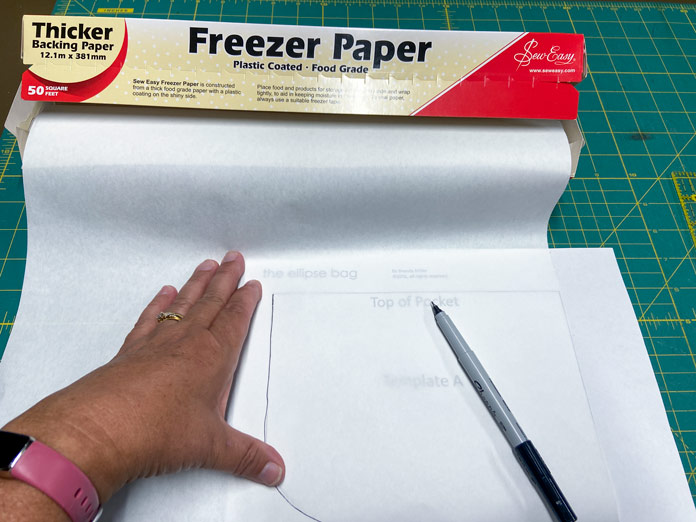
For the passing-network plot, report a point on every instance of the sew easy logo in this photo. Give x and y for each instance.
(553, 55)
(502, 88)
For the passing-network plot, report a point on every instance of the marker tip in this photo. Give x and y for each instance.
(436, 309)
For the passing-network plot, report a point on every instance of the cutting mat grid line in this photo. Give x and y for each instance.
(685, 184)
(637, 112)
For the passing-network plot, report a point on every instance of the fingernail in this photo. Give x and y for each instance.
(166, 289)
(271, 474)
(208, 264)
(230, 256)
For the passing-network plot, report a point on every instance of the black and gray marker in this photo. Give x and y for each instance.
(522, 447)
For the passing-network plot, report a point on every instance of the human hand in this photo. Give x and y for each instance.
(159, 405)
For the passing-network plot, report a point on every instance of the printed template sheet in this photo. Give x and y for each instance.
(365, 393)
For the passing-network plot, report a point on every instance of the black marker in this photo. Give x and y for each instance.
(522, 447)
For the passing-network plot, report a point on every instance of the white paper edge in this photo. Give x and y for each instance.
(576, 142)
(625, 401)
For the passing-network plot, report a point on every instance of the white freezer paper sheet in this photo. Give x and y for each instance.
(120, 203)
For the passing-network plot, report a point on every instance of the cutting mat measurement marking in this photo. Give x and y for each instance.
(637, 112)
(73, 7)
(685, 184)
(13, 234)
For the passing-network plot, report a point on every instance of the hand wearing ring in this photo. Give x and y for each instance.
(160, 404)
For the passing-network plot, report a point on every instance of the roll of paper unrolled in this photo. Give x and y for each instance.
(282, 182)
(121, 201)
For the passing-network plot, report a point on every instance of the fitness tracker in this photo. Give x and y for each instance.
(24, 458)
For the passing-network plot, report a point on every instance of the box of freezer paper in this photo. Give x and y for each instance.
(211, 65)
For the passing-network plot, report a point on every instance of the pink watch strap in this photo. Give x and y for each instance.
(50, 472)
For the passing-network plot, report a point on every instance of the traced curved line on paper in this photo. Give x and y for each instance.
(265, 417)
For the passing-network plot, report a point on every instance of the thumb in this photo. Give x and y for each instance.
(249, 457)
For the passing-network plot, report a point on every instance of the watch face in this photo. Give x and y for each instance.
(10, 445)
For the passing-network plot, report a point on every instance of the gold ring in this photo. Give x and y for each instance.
(164, 316)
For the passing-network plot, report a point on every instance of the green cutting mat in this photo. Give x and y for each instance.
(633, 191)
